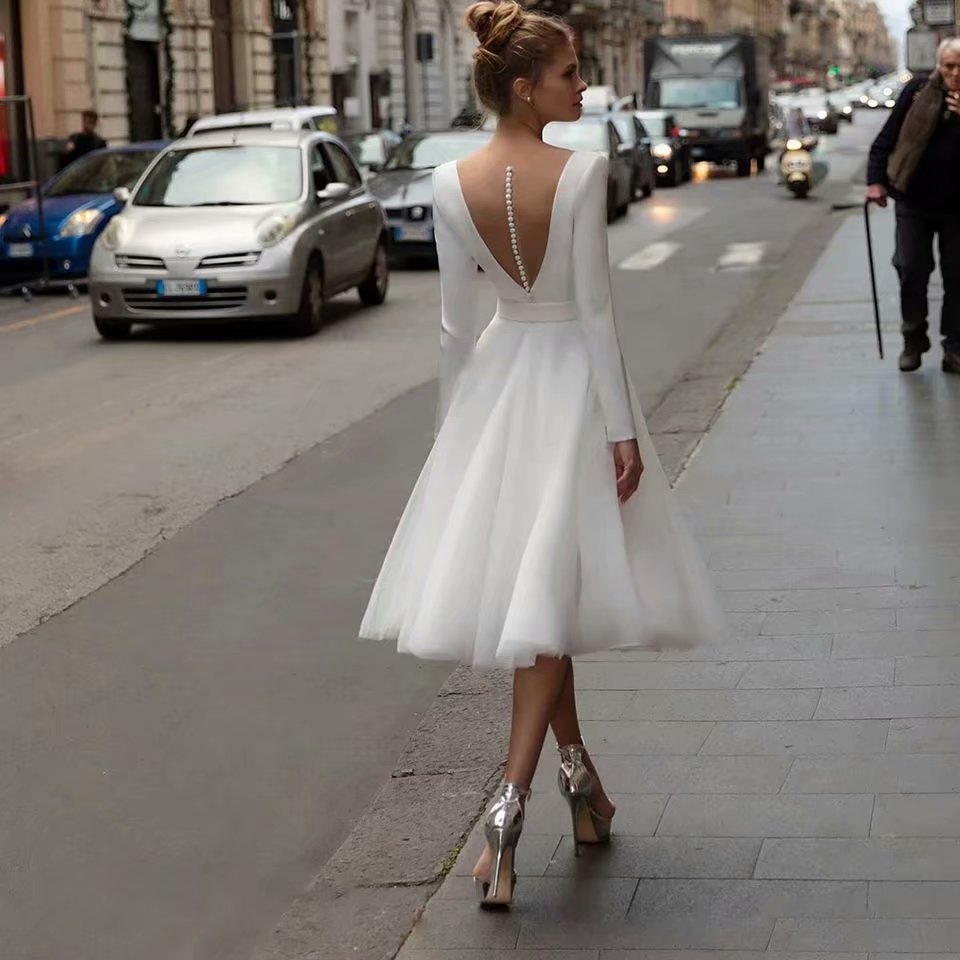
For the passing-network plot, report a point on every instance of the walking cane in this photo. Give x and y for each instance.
(873, 276)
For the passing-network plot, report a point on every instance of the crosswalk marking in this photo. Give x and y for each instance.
(651, 256)
(741, 255)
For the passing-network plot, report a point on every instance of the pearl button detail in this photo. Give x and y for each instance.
(514, 242)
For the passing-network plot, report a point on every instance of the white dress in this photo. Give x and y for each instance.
(513, 542)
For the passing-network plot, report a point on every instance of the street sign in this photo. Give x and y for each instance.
(939, 13)
(921, 50)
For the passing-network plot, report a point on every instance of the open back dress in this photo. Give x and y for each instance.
(513, 543)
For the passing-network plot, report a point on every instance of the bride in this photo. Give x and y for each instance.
(542, 526)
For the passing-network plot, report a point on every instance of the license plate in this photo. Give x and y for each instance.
(413, 231)
(796, 165)
(181, 288)
(20, 249)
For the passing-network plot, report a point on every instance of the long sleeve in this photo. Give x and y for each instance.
(886, 139)
(591, 265)
(458, 307)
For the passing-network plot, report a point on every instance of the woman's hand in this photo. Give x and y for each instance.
(629, 468)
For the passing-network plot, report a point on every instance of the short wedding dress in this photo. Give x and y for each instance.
(513, 543)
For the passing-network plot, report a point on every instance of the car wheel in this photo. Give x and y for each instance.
(648, 188)
(112, 329)
(677, 175)
(743, 167)
(309, 317)
(634, 183)
(611, 203)
(761, 163)
(688, 170)
(373, 290)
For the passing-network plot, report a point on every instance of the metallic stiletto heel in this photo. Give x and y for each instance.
(576, 786)
(502, 827)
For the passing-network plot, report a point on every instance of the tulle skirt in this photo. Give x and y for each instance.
(513, 543)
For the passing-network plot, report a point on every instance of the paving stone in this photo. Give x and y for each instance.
(764, 816)
(533, 854)
(889, 702)
(818, 674)
(644, 737)
(603, 704)
(914, 899)
(928, 618)
(918, 643)
(637, 814)
(928, 670)
(797, 737)
(917, 815)
(722, 705)
(725, 955)
(874, 859)
(661, 775)
(758, 648)
(484, 954)
(881, 774)
(454, 924)
(751, 898)
(658, 676)
(894, 936)
(840, 621)
(924, 736)
(658, 857)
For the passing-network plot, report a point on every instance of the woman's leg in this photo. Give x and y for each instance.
(566, 728)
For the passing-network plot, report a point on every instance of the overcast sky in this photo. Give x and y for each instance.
(897, 15)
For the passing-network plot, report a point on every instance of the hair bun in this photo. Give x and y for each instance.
(493, 21)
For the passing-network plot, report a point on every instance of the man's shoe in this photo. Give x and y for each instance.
(910, 359)
(951, 363)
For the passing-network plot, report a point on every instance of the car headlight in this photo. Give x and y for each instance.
(662, 151)
(864, 98)
(274, 228)
(890, 103)
(81, 223)
(793, 144)
(848, 109)
(872, 103)
(419, 212)
(115, 234)
(821, 114)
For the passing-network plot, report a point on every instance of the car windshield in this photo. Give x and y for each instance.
(101, 173)
(366, 148)
(656, 126)
(578, 135)
(625, 128)
(426, 152)
(222, 177)
(684, 93)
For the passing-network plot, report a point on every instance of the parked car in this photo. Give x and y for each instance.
(279, 118)
(77, 203)
(405, 186)
(241, 226)
(670, 151)
(595, 132)
(818, 109)
(635, 145)
(371, 148)
(842, 102)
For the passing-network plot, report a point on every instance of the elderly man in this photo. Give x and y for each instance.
(916, 160)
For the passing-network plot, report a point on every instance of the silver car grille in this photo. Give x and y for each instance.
(223, 260)
(217, 298)
(135, 261)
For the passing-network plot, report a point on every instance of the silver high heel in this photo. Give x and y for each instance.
(576, 785)
(502, 827)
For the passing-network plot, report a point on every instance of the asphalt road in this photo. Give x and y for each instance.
(184, 746)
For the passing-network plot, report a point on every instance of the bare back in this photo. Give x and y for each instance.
(536, 172)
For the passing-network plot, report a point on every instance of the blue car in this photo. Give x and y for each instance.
(77, 205)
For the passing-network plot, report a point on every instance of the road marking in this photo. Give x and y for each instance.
(651, 256)
(33, 321)
(740, 255)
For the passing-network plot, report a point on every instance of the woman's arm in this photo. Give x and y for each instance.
(458, 307)
(591, 266)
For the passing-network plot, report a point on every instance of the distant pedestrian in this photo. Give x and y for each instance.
(86, 140)
(916, 160)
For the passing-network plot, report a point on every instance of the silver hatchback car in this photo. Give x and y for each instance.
(244, 225)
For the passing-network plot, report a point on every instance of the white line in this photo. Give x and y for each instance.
(651, 256)
(741, 255)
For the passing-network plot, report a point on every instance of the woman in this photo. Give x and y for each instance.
(542, 525)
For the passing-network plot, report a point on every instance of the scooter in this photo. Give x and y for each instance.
(801, 167)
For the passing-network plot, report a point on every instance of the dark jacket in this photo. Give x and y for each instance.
(934, 184)
(79, 145)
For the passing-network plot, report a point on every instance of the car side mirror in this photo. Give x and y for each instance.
(121, 194)
(333, 191)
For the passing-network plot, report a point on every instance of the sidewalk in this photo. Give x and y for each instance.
(797, 791)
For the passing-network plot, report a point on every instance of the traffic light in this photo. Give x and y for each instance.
(834, 70)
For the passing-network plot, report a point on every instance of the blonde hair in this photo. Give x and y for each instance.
(514, 43)
(950, 45)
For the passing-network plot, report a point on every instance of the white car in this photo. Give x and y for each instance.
(281, 118)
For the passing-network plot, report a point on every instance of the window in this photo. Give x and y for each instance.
(320, 168)
(343, 169)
